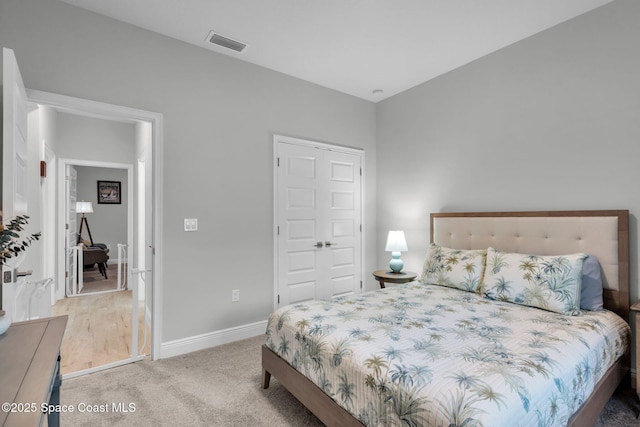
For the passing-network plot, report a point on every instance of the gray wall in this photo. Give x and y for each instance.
(551, 122)
(86, 138)
(108, 222)
(41, 133)
(219, 118)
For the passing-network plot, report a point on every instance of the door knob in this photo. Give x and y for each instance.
(328, 243)
(318, 245)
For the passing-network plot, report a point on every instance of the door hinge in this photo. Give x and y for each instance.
(278, 230)
(66, 274)
(66, 226)
(278, 161)
(360, 284)
(360, 171)
(361, 228)
(278, 298)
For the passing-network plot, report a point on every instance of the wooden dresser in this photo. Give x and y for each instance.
(30, 372)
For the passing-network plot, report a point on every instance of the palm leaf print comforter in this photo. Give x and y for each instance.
(427, 355)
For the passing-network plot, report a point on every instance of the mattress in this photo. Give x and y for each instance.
(427, 355)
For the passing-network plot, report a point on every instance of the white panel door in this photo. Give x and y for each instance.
(342, 213)
(318, 220)
(14, 157)
(300, 237)
(14, 136)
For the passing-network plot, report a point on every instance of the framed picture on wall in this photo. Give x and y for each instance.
(109, 192)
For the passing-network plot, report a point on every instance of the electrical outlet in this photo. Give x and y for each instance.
(235, 295)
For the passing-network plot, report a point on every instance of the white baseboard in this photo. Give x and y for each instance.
(211, 339)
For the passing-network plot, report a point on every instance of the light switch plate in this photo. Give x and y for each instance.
(191, 224)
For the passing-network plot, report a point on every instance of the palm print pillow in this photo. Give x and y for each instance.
(549, 282)
(455, 268)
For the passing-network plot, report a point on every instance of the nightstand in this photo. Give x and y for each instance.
(636, 307)
(390, 277)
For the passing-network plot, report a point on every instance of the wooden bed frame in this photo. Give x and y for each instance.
(572, 228)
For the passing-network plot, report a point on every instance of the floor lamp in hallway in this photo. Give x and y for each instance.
(84, 208)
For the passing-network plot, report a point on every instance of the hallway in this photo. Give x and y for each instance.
(99, 329)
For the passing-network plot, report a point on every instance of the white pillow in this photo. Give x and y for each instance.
(455, 268)
(549, 282)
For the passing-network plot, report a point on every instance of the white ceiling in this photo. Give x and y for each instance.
(353, 46)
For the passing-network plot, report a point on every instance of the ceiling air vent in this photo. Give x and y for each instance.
(225, 42)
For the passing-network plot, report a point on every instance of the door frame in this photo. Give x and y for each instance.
(61, 230)
(49, 226)
(106, 111)
(64, 258)
(276, 188)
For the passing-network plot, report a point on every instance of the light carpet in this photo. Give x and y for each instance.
(220, 386)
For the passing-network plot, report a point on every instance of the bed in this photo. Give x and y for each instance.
(475, 351)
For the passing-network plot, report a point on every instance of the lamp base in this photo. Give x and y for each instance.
(396, 263)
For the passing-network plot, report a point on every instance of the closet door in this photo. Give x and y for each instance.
(318, 221)
(341, 219)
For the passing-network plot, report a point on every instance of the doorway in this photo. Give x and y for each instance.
(93, 252)
(104, 231)
(318, 220)
(143, 281)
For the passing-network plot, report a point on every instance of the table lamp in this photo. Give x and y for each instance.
(396, 244)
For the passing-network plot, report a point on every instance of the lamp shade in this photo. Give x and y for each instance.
(396, 242)
(84, 207)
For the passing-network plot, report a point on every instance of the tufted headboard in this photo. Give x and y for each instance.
(604, 234)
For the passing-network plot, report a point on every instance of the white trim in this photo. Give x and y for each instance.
(116, 112)
(49, 191)
(100, 368)
(212, 339)
(316, 144)
(89, 108)
(157, 258)
(276, 275)
(323, 146)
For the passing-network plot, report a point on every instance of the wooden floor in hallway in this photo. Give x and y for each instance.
(98, 330)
